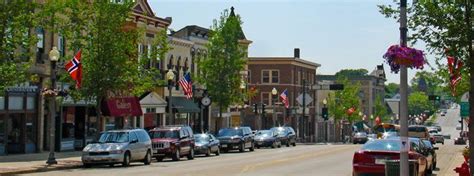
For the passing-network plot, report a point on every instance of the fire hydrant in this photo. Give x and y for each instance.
(463, 170)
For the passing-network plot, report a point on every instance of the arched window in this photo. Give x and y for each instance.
(170, 63)
(39, 44)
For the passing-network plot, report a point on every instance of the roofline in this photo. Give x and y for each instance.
(268, 58)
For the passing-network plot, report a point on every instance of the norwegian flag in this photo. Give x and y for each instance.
(187, 85)
(74, 68)
(284, 98)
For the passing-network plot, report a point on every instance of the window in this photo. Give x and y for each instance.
(142, 136)
(30, 103)
(61, 45)
(133, 136)
(15, 103)
(270, 76)
(266, 98)
(150, 110)
(39, 44)
(2, 103)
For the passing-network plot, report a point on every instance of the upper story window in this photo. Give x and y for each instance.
(39, 44)
(61, 45)
(270, 76)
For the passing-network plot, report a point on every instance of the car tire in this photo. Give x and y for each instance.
(111, 165)
(147, 159)
(241, 147)
(273, 145)
(86, 165)
(434, 165)
(279, 145)
(218, 152)
(159, 159)
(294, 144)
(191, 154)
(126, 159)
(208, 153)
(252, 148)
(176, 156)
(287, 143)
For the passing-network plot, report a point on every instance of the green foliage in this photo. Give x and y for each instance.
(391, 89)
(352, 72)
(340, 101)
(418, 103)
(380, 108)
(224, 61)
(430, 83)
(17, 23)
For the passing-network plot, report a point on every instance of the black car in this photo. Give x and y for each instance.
(238, 138)
(431, 149)
(206, 144)
(286, 135)
(267, 138)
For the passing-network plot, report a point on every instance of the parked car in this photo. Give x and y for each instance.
(438, 137)
(418, 131)
(267, 138)
(371, 158)
(238, 138)
(286, 134)
(172, 141)
(206, 144)
(360, 137)
(425, 150)
(431, 149)
(458, 127)
(118, 146)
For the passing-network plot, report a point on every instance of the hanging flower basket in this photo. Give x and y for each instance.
(409, 57)
(49, 92)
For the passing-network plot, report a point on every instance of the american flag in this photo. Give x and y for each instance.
(187, 85)
(284, 98)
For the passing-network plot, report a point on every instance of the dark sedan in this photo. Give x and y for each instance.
(206, 144)
(286, 135)
(267, 138)
(360, 137)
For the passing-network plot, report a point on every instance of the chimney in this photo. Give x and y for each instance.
(297, 53)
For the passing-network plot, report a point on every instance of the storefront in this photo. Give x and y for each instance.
(120, 112)
(185, 111)
(18, 120)
(154, 108)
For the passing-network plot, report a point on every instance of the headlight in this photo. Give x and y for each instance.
(116, 152)
(236, 139)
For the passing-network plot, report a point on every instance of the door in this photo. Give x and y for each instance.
(134, 146)
(3, 136)
(15, 134)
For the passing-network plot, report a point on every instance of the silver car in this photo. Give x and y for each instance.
(119, 147)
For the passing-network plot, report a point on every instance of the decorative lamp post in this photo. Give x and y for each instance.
(170, 76)
(242, 108)
(325, 102)
(274, 96)
(53, 57)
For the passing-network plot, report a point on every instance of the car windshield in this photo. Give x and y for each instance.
(230, 132)
(264, 133)
(164, 134)
(382, 145)
(201, 138)
(427, 143)
(113, 137)
(279, 130)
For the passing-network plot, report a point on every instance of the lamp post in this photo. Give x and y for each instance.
(372, 120)
(325, 102)
(170, 76)
(242, 108)
(53, 57)
(274, 95)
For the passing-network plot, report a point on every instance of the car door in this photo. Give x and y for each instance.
(212, 143)
(144, 141)
(134, 146)
(184, 141)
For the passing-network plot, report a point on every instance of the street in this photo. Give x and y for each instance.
(299, 160)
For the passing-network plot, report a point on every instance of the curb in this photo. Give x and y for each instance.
(45, 168)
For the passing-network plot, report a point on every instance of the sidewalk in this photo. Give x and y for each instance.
(36, 162)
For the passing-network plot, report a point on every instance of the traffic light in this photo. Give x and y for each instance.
(325, 113)
(434, 97)
(255, 108)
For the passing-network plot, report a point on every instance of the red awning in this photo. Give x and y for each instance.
(125, 106)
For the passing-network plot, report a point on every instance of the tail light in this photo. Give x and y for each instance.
(361, 157)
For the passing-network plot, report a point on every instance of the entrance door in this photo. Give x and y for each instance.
(3, 136)
(15, 132)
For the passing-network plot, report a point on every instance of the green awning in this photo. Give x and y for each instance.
(184, 105)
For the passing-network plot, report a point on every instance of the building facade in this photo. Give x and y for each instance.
(283, 73)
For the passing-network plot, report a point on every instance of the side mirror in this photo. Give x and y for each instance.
(435, 148)
(134, 141)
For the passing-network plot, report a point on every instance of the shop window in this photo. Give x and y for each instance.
(92, 126)
(30, 128)
(2, 130)
(15, 103)
(39, 45)
(30, 103)
(2, 103)
(275, 76)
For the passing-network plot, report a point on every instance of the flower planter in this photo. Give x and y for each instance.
(397, 56)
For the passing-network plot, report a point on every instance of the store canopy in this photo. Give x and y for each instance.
(121, 107)
(183, 105)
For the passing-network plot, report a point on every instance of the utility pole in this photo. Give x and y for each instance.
(470, 36)
(304, 108)
(404, 165)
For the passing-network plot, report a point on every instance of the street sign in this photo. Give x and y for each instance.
(307, 100)
(464, 109)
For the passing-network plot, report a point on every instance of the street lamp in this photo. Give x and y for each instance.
(325, 102)
(274, 96)
(53, 57)
(170, 76)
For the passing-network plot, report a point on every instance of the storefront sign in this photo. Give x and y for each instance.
(126, 106)
(29, 89)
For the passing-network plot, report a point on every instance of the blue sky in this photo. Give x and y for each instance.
(337, 34)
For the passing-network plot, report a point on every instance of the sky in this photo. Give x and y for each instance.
(338, 34)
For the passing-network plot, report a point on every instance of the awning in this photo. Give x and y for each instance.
(124, 106)
(152, 100)
(183, 105)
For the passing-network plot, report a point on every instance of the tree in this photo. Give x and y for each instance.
(391, 90)
(418, 103)
(352, 72)
(17, 23)
(340, 101)
(446, 28)
(380, 108)
(220, 70)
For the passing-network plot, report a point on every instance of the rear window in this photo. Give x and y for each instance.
(382, 145)
(417, 129)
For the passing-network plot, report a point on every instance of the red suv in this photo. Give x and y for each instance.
(172, 141)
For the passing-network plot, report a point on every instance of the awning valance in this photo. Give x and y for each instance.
(183, 105)
(123, 106)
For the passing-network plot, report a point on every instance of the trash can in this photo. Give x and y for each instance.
(392, 168)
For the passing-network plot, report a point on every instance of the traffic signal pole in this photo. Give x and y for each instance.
(404, 165)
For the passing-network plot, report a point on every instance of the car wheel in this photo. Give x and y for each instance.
(208, 153)
(177, 155)
(147, 159)
(218, 152)
(111, 165)
(126, 159)
(294, 144)
(287, 143)
(191, 154)
(434, 165)
(279, 145)
(273, 145)
(159, 159)
(86, 165)
(252, 148)
(241, 147)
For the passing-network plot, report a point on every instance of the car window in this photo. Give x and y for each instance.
(185, 133)
(133, 137)
(164, 134)
(427, 143)
(142, 136)
(230, 132)
(415, 146)
(190, 132)
(114, 137)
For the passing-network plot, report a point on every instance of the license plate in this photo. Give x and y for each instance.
(224, 145)
(380, 161)
(259, 143)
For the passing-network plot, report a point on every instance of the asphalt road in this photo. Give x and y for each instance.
(324, 160)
